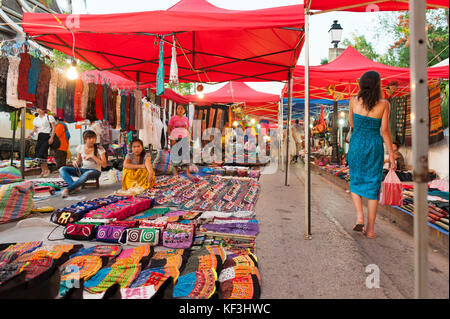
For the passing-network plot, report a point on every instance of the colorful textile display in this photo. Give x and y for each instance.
(436, 128)
(9, 174)
(16, 200)
(196, 285)
(139, 236)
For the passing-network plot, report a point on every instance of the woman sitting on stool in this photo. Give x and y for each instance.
(137, 167)
(91, 156)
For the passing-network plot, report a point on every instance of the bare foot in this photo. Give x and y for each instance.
(65, 193)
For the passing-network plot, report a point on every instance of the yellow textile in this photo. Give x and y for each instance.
(136, 177)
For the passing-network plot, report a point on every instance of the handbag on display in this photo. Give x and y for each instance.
(56, 141)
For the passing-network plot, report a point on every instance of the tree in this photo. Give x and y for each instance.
(360, 43)
(183, 88)
(324, 61)
(397, 24)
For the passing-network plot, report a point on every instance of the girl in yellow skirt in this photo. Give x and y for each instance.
(137, 167)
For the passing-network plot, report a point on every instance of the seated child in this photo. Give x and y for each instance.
(137, 167)
(91, 156)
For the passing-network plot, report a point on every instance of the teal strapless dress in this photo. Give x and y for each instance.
(365, 157)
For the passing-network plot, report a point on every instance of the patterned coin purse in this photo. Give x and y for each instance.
(64, 217)
(178, 236)
(110, 234)
(140, 236)
(80, 231)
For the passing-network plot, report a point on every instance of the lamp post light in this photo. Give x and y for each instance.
(335, 34)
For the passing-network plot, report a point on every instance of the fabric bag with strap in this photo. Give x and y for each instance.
(56, 141)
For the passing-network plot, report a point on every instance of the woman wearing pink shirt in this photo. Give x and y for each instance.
(178, 130)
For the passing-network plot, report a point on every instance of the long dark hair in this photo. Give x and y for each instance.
(142, 155)
(91, 134)
(370, 89)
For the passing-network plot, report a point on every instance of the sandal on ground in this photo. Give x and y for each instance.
(358, 227)
(64, 193)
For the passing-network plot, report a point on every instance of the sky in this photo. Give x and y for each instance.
(358, 23)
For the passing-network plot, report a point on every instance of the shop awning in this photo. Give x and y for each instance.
(369, 5)
(341, 76)
(213, 44)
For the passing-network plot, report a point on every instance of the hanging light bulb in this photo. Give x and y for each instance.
(201, 95)
(252, 121)
(235, 123)
(72, 73)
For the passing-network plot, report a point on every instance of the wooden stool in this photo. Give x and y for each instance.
(92, 182)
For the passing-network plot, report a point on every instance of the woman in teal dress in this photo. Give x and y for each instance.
(369, 119)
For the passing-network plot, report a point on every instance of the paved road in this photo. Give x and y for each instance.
(333, 263)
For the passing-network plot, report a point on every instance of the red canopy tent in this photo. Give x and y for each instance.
(213, 44)
(344, 72)
(256, 103)
(128, 84)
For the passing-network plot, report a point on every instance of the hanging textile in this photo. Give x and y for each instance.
(160, 72)
(436, 127)
(408, 127)
(118, 111)
(4, 65)
(69, 115)
(51, 100)
(24, 68)
(123, 101)
(105, 101)
(84, 100)
(78, 114)
(12, 97)
(33, 76)
(99, 102)
(132, 113)
(127, 111)
(393, 119)
(110, 109)
(90, 111)
(173, 79)
(42, 87)
(400, 105)
(61, 95)
(138, 110)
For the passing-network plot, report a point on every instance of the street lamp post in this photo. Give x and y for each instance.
(335, 33)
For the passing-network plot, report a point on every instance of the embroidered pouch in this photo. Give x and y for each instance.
(138, 236)
(80, 231)
(178, 236)
(110, 234)
(64, 217)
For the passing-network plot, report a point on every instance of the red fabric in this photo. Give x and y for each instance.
(235, 92)
(363, 6)
(99, 102)
(224, 41)
(24, 68)
(77, 100)
(344, 72)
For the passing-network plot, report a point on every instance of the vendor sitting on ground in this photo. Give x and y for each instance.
(91, 156)
(137, 167)
(399, 159)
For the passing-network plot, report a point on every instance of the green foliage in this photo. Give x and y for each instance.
(360, 43)
(183, 88)
(324, 61)
(62, 61)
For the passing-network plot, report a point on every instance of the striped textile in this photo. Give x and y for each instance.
(77, 268)
(16, 201)
(9, 174)
(124, 271)
(408, 127)
(14, 251)
(162, 164)
(436, 128)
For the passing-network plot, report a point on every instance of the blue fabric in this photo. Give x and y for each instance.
(160, 72)
(105, 102)
(184, 285)
(95, 280)
(67, 172)
(132, 112)
(123, 101)
(33, 74)
(69, 106)
(366, 157)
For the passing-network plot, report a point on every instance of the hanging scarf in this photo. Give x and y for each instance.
(160, 72)
(173, 80)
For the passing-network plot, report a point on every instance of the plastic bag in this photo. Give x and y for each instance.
(391, 192)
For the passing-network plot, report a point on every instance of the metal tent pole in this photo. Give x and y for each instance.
(420, 133)
(22, 142)
(288, 128)
(281, 133)
(307, 133)
(14, 136)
